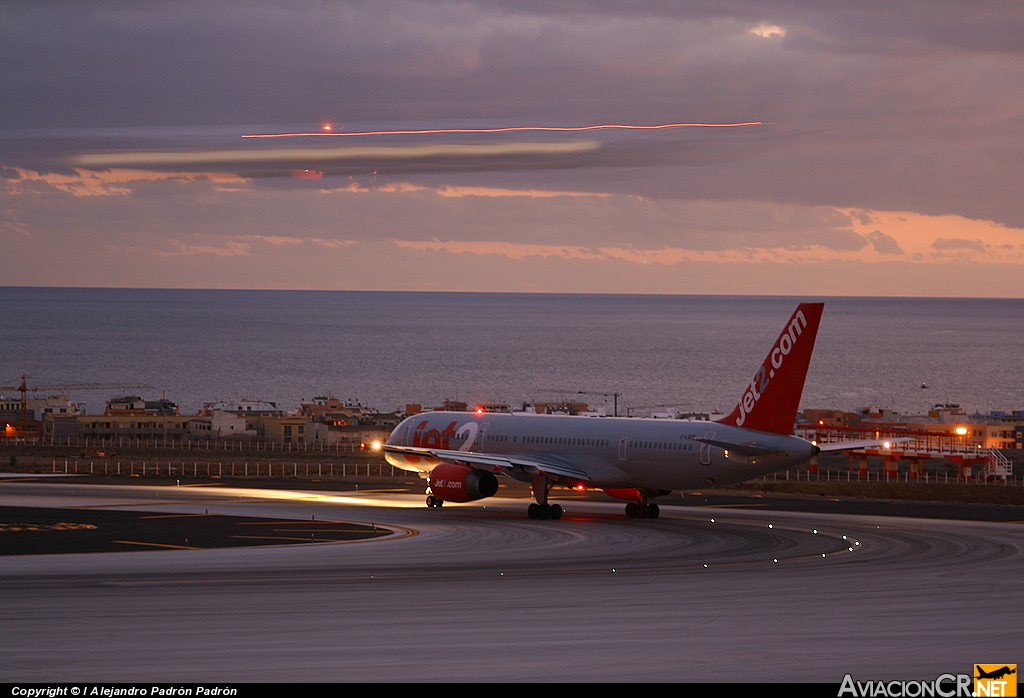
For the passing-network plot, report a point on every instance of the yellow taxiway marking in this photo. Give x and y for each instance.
(325, 530)
(292, 522)
(291, 538)
(157, 545)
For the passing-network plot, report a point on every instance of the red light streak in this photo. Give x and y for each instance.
(506, 129)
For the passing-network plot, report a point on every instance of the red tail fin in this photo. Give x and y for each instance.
(771, 400)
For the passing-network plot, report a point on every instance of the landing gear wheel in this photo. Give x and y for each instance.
(434, 502)
(545, 511)
(639, 510)
(540, 488)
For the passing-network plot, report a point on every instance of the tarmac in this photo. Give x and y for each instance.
(44, 531)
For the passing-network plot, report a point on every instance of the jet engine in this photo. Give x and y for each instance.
(451, 482)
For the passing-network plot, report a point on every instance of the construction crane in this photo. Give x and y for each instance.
(23, 388)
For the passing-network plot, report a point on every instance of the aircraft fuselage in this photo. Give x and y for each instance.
(658, 454)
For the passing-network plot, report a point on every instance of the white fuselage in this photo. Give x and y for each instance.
(657, 454)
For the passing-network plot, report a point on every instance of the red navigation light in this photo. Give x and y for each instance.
(479, 409)
(327, 127)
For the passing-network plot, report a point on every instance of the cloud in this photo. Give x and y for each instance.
(960, 247)
(110, 182)
(944, 244)
(495, 192)
(240, 245)
(122, 125)
(884, 244)
(513, 251)
(768, 31)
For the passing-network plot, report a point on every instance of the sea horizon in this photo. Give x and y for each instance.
(804, 296)
(688, 352)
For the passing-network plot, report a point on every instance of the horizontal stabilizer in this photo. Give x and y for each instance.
(854, 445)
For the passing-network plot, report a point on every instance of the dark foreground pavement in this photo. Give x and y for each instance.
(32, 531)
(28, 531)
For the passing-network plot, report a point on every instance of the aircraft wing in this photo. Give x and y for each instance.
(751, 448)
(496, 462)
(854, 445)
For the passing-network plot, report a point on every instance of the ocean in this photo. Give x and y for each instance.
(638, 353)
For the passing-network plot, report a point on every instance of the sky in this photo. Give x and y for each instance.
(809, 148)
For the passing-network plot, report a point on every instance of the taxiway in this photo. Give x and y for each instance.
(480, 593)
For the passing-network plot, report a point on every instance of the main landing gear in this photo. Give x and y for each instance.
(543, 510)
(637, 510)
(642, 510)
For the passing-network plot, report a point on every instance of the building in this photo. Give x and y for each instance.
(37, 407)
(446, 406)
(29, 419)
(334, 412)
(829, 418)
(561, 407)
(283, 429)
(246, 407)
(144, 427)
(943, 440)
(133, 404)
(222, 425)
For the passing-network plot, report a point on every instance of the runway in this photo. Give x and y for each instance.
(480, 593)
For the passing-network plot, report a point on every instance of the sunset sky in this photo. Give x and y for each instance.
(816, 148)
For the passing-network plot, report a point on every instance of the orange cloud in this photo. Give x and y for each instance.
(112, 182)
(516, 251)
(456, 192)
(938, 239)
(242, 245)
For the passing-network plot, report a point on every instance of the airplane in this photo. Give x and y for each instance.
(633, 459)
(996, 674)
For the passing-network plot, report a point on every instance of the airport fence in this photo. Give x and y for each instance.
(227, 445)
(887, 476)
(333, 470)
(227, 470)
